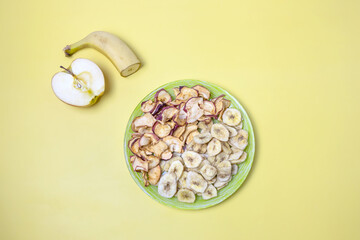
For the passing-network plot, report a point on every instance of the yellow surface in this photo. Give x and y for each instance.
(294, 65)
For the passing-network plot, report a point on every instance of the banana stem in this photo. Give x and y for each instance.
(71, 49)
(77, 80)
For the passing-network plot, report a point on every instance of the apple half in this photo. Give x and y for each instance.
(79, 85)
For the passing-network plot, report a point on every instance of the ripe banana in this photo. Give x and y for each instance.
(112, 47)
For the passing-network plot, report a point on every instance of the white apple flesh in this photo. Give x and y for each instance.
(80, 85)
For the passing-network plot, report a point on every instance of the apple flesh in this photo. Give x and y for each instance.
(80, 85)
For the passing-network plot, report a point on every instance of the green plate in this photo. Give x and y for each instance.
(223, 193)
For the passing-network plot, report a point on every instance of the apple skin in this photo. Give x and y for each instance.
(84, 73)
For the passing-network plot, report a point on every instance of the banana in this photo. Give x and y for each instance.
(176, 154)
(196, 182)
(191, 136)
(210, 192)
(236, 154)
(220, 132)
(224, 177)
(208, 171)
(177, 168)
(221, 157)
(240, 126)
(191, 159)
(203, 127)
(185, 195)
(219, 184)
(197, 147)
(165, 164)
(123, 58)
(226, 148)
(203, 149)
(241, 140)
(212, 181)
(203, 163)
(182, 180)
(232, 131)
(211, 159)
(203, 138)
(190, 146)
(224, 166)
(240, 160)
(167, 185)
(234, 169)
(214, 147)
(224, 171)
(231, 117)
(193, 146)
(177, 157)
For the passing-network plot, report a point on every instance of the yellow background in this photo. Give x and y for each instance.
(294, 65)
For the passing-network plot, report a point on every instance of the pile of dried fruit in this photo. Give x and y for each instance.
(189, 145)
